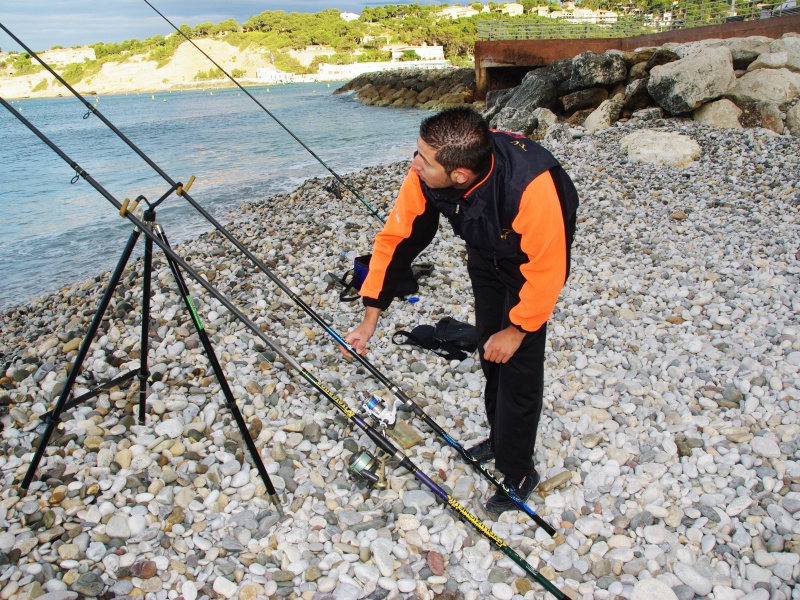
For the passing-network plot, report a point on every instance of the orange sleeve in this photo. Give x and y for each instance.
(541, 225)
(395, 247)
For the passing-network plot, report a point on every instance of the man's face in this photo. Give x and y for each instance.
(431, 172)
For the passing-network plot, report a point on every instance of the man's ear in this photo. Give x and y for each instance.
(461, 175)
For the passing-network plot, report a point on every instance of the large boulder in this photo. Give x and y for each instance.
(638, 71)
(515, 120)
(579, 116)
(653, 113)
(743, 50)
(545, 119)
(721, 113)
(757, 113)
(769, 60)
(495, 101)
(661, 148)
(793, 120)
(662, 56)
(753, 44)
(558, 135)
(767, 85)
(685, 84)
(498, 98)
(790, 44)
(538, 89)
(640, 55)
(561, 69)
(588, 98)
(636, 95)
(604, 116)
(591, 69)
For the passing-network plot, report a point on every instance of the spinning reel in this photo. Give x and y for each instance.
(363, 465)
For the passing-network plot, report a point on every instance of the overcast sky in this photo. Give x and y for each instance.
(46, 23)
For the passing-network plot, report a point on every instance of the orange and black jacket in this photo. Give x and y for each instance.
(521, 215)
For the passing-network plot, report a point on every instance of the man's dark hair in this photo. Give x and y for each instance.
(460, 137)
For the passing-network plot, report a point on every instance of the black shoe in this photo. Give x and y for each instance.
(522, 486)
(482, 452)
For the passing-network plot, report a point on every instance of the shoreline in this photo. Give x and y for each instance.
(680, 447)
(178, 87)
(232, 214)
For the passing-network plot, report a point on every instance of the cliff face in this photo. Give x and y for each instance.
(435, 89)
(137, 74)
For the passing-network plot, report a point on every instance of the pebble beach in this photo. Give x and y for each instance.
(669, 445)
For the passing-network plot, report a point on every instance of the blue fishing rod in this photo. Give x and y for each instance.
(395, 389)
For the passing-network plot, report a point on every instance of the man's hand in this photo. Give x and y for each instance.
(359, 337)
(500, 347)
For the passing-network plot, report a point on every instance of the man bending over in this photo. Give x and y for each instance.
(514, 205)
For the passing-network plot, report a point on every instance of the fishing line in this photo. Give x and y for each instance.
(381, 441)
(386, 382)
(341, 181)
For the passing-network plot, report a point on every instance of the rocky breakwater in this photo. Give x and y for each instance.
(732, 83)
(669, 445)
(430, 89)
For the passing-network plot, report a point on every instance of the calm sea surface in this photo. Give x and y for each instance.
(54, 233)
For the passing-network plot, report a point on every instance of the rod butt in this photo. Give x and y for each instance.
(277, 502)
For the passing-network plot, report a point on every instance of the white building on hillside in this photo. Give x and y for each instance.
(272, 75)
(512, 9)
(424, 52)
(348, 16)
(337, 72)
(582, 16)
(459, 12)
(606, 16)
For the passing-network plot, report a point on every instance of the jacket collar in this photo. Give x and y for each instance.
(481, 180)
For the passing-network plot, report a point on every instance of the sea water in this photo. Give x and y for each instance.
(55, 232)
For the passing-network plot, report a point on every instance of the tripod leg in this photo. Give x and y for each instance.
(144, 373)
(55, 415)
(223, 382)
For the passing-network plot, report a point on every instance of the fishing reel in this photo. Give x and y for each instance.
(365, 467)
(383, 407)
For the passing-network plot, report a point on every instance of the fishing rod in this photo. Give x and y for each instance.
(385, 381)
(264, 108)
(380, 441)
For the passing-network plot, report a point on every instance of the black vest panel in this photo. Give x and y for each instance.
(483, 218)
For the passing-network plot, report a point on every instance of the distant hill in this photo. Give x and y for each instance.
(140, 73)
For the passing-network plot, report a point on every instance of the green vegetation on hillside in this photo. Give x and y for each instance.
(213, 73)
(23, 65)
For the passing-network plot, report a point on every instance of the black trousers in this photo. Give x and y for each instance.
(514, 390)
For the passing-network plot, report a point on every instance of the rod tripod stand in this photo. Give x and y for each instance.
(53, 417)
